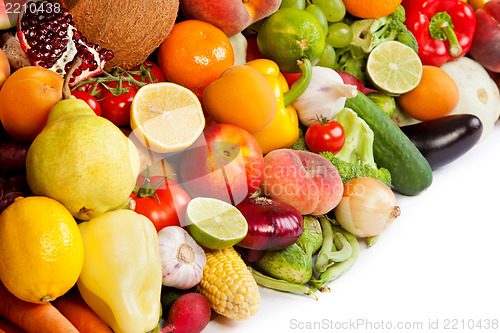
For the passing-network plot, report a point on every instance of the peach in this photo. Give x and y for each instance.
(231, 16)
(4, 68)
(305, 180)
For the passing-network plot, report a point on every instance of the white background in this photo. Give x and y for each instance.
(439, 261)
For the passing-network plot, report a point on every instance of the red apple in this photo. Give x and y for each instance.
(4, 68)
(485, 48)
(224, 163)
(231, 16)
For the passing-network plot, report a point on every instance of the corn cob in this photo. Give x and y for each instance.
(229, 285)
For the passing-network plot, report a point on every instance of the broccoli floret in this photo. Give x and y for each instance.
(369, 33)
(300, 144)
(406, 37)
(348, 171)
(352, 60)
(399, 14)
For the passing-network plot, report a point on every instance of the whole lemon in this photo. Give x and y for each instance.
(41, 249)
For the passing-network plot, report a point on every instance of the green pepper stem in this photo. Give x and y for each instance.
(301, 84)
(441, 27)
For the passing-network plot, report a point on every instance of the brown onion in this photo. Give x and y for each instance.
(272, 224)
(367, 207)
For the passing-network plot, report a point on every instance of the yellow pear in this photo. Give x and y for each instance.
(82, 160)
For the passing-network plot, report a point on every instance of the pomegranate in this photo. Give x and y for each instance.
(50, 39)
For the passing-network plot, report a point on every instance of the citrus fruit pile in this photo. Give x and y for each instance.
(194, 166)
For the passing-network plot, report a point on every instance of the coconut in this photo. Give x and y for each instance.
(132, 29)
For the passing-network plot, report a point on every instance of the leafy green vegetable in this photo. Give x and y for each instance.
(358, 146)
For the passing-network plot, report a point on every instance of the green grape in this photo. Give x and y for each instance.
(339, 35)
(320, 15)
(333, 9)
(300, 4)
(328, 57)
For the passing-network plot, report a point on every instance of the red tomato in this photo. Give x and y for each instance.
(170, 207)
(117, 108)
(89, 99)
(325, 136)
(153, 69)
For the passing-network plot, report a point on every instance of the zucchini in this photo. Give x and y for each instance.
(392, 149)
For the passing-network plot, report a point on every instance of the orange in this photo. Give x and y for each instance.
(41, 249)
(195, 54)
(371, 8)
(26, 98)
(435, 96)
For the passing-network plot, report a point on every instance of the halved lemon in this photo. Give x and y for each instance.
(166, 117)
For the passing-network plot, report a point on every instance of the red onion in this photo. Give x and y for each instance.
(351, 79)
(272, 224)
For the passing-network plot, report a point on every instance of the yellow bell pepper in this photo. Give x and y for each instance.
(121, 277)
(284, 129)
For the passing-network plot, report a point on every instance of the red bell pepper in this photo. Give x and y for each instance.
(443, 28)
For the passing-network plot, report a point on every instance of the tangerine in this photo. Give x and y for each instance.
(371, 9)
(195, 54)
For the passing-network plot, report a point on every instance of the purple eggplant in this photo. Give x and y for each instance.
(443, 140)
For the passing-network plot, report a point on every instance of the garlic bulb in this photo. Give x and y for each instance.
(182, 259)
(324, 97)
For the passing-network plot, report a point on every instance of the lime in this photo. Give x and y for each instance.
(214, 223)
(289, 35)
(394, 68)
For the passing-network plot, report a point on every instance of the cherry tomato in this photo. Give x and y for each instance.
(154, 70)
(169, 209)
(325, 136)
(89, 99)
(117, 108)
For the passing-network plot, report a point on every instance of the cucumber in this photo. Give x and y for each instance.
(392, 149)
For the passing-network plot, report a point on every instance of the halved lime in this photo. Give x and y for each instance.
(394, 68)
(214, 223)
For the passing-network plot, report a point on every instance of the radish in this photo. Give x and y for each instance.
(190, 313)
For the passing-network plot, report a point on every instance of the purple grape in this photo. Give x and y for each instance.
(9, 199)
(16, 183)
(12, 157)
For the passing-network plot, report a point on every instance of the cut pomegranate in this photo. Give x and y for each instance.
(48, 35)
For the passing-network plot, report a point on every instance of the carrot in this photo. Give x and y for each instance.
(73, 307)
(7, 326)
(31, 317)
